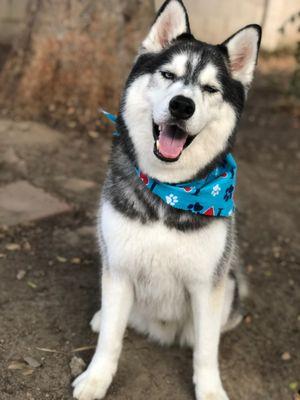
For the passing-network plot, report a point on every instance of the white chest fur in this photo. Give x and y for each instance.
(160, 261)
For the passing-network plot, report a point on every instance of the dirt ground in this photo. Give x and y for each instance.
(49, 277)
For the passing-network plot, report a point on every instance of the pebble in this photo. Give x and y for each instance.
(286, 356)
(21, 274)
(72, 124)
(93, 134)
(32, 362)
(27, 246)
(77, 365)
(249, 269)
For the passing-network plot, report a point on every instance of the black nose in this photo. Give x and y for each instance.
(182, 107)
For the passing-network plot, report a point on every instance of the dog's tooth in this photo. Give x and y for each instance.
(157, 144)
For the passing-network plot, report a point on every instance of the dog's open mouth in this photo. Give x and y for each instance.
(169, 141)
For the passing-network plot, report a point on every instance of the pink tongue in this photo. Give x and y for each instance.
(171, 141)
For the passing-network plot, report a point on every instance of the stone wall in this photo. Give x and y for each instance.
(214, 20)
(70, 57)
(12, 18)
(211, 20)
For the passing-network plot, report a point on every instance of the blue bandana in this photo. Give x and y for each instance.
(211, 196)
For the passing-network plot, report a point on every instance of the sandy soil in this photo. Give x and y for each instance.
(50, 306)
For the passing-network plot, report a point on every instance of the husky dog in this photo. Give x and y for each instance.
(168, 273)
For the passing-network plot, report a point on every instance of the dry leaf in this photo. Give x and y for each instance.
(31, 284)
(27, 371)
(83, 348)
(48, 350)
(17, 365)
(293, 386)
(13, 246)
(61, 259)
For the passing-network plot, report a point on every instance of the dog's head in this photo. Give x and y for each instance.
(184, 97)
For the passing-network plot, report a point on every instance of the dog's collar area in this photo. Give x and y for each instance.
(211, 196)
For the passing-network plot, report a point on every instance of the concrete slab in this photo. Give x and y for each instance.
(28, 134)
(21, 202)
(79, 185)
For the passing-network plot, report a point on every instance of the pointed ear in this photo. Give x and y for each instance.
(171, 21)
(242, 49)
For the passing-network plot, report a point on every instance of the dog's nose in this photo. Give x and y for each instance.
(182, 107)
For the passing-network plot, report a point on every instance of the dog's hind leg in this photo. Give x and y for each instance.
(236, 291)
(117, 300)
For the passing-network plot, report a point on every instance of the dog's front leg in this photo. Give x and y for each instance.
(207, 305)
(117, 299)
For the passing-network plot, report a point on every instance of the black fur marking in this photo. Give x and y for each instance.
(236, 305)
(228, 254)
(188, 73)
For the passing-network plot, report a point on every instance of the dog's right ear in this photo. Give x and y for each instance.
(171, 21)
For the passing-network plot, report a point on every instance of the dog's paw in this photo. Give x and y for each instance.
(91, 386)
(96, 321)
(218, 394)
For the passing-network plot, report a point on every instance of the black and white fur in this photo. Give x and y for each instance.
(170, 274)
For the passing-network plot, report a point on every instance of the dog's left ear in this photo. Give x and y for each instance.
(242, 49)
(171, 21)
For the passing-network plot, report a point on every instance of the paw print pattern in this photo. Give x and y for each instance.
(196, 207)
(229, 193)
(171, 199)
(216, 190)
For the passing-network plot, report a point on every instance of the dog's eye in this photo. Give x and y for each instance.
(168, 75)
(209, 89)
